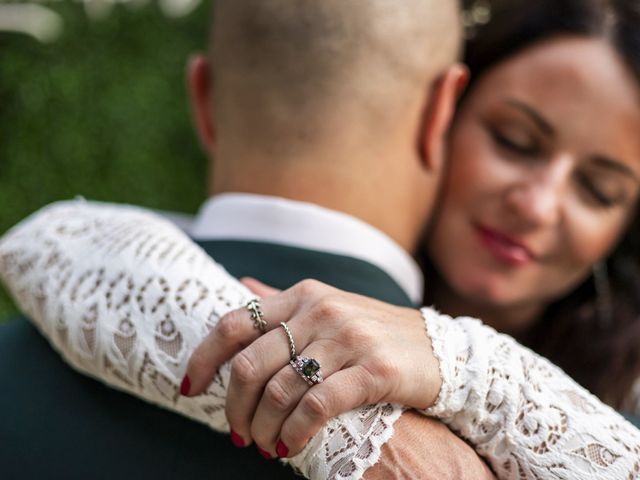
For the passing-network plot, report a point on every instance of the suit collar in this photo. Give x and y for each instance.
(258, 218)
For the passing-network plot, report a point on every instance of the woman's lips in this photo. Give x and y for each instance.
(503, 247)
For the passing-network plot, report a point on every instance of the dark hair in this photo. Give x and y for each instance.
(603, 354)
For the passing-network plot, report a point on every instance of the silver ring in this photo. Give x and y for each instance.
(308, 369)
(292, 345)
(256, 315)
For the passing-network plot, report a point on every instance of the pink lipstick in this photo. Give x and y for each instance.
(503, 247)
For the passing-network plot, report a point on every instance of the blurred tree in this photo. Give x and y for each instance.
(99, 112)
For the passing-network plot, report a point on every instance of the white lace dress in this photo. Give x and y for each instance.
(124, 296)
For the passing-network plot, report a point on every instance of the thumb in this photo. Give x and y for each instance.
(259, 288)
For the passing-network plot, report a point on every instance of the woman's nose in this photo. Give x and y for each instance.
(538, 199)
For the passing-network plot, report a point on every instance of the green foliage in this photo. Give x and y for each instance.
(101, 112)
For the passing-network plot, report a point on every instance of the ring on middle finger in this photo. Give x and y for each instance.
(292, 345)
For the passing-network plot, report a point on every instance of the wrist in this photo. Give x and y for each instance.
(432, 370)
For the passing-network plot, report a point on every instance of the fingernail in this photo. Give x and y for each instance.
(185, 386)
(264, 453)
(281, 449)
(236, 440)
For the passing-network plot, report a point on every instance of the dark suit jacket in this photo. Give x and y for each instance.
(58, 424)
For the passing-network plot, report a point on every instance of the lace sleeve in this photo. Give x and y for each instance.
(124, 296)
(522, 413)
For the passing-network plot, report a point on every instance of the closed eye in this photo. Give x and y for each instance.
(594, 192)
(520, 148)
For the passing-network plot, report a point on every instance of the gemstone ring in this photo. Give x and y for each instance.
(308, 369)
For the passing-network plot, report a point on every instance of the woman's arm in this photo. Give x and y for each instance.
(520, 412)
(125, 298)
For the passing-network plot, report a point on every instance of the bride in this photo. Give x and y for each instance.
(540, 208)
(541, 212)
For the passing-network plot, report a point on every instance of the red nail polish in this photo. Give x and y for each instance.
(281, 449)
(264, 453)
(185, 386)
(236, 440)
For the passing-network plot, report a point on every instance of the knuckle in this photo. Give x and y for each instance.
(381, 369)
(308, 287)
(365, 377)
(327, 308)
(243, 369)
(378, 377)
(227, 327)
(316, 406)
(354, 336)
(277, 396)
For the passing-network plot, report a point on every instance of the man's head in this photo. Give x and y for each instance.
(344, 103)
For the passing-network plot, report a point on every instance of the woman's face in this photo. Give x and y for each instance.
(544, 174)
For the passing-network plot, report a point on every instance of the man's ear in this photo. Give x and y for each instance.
(439, 114)
(200, 96)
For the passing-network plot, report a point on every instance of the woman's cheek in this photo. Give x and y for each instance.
(467, 173)
(589, 238)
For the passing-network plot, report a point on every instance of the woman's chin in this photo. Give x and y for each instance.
(487, 292)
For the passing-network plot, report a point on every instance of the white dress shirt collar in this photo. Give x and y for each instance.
(241, 216)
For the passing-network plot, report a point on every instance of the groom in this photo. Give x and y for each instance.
(325, 124)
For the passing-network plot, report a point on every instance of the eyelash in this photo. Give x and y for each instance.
(504, 142)
(600, 198)
(501, 140)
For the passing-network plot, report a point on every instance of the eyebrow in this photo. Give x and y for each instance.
(537, 118)
(615, 165)
(547, 128)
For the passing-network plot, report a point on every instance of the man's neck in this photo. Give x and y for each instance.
(373, 201)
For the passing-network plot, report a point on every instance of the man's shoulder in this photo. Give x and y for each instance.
(54, 417)
(14, 324)
(12, 318)
(635, 420)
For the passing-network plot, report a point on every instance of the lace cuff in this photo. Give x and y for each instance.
(349, 444)
(523, 414)
(125, 297)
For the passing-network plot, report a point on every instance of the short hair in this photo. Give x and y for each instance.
(285, 69)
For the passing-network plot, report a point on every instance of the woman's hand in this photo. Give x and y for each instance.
(369, 352)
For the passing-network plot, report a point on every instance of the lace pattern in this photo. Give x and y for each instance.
(522, 413)
(124, 296)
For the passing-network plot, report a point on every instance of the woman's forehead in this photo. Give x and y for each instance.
(580, 85)
(588, 65)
